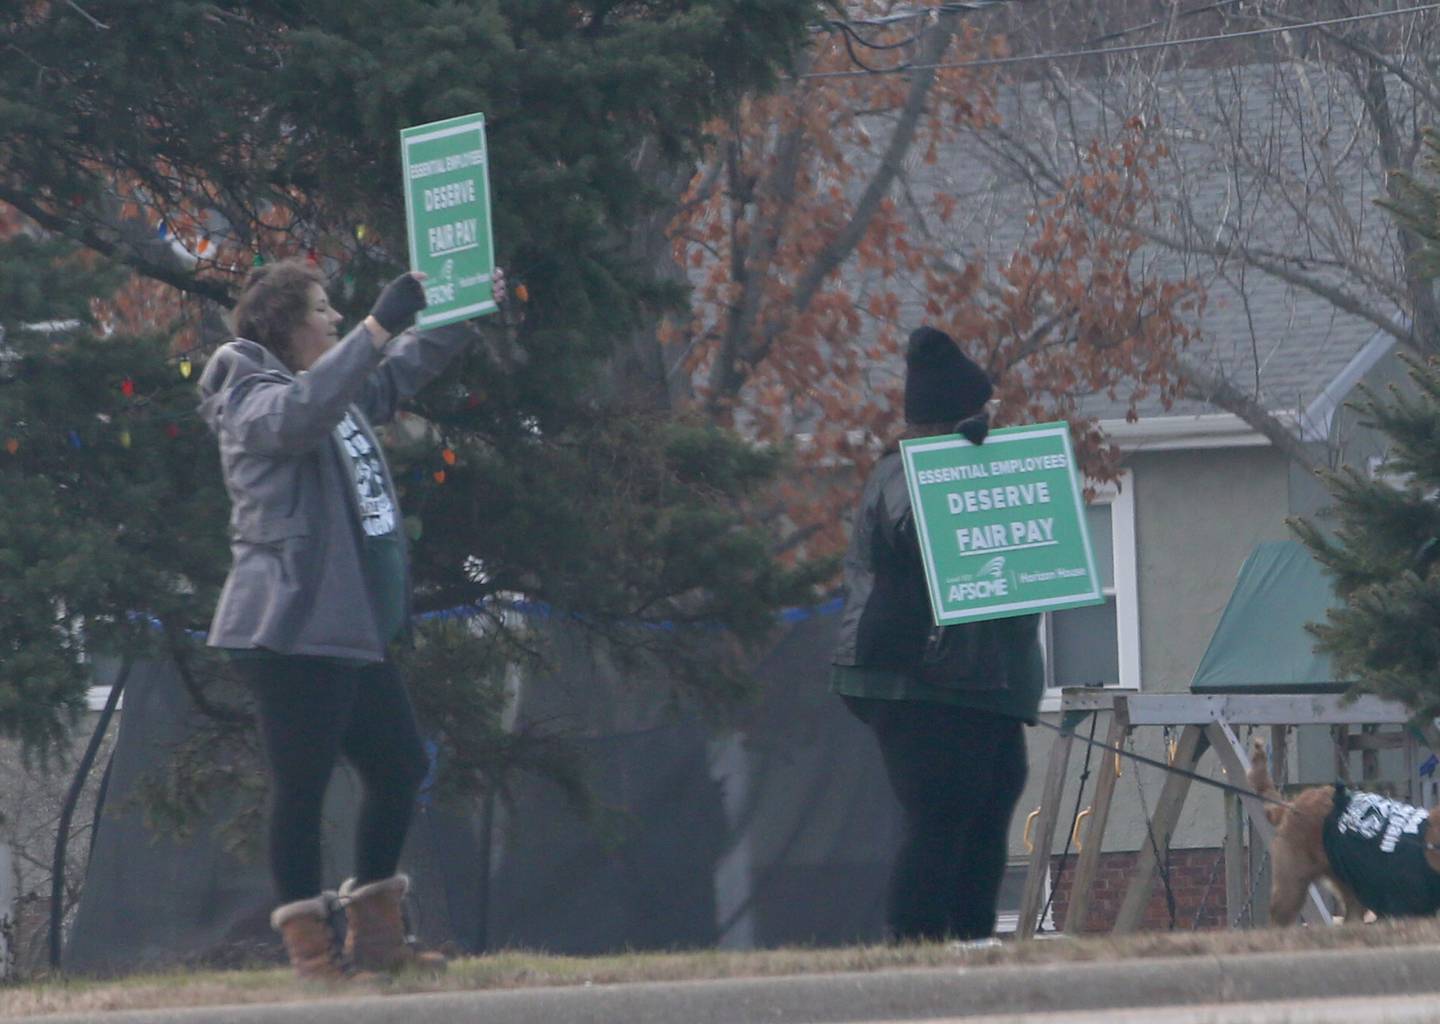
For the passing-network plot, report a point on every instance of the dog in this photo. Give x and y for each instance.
(1378, 854)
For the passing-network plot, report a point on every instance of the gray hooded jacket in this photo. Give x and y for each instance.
(297, 584)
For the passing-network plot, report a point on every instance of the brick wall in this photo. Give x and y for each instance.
(1197, 879)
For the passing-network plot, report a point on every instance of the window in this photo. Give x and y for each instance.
(1012, 890)
(1100, 644)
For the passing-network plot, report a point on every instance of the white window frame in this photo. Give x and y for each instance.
(1120, 496)
(96, 698)
(1007, 919)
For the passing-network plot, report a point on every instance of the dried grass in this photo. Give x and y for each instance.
(518, 969)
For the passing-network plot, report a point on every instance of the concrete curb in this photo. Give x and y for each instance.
(915, 994)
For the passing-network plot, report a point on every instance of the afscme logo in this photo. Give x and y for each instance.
(989, 581)
(979, 589)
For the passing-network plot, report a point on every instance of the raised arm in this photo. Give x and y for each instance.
(267, 410)
(270, 412)
(416, 358)
(410, 362)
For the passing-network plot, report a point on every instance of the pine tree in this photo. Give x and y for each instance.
(1384, 552)
(272, 130)
(113, 518)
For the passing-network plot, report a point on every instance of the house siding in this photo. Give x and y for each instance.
(1198, 514)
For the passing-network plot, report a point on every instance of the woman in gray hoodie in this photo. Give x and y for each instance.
(319, 587)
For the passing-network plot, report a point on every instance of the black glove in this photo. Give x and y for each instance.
(976, 428)
(398, 303)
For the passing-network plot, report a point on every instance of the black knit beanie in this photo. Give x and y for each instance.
(942, 384)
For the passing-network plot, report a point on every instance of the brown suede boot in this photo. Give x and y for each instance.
(309, 940)
(375, 928)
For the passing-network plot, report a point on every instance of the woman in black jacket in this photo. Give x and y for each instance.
(946, 704)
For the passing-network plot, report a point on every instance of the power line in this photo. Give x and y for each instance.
(1132, 48)
(921, 12)
(1122, 33)
(912, 14)
(849, 29)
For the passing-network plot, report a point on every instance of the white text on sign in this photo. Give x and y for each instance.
(454, 194)
(1024, 533)
(453, 162)
(1011, 496)
(1032, 464)
(978, 590)
(456, 237)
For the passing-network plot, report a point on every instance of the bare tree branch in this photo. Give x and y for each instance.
(1221, 393)
(86, 15)
(901, 139)
(1367, 53)
(1338, 297)
(110, 247)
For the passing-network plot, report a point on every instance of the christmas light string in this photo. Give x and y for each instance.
(174, 425)
(202, 247)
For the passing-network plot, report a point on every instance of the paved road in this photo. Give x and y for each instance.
(1422, 1009)
(1036, 993)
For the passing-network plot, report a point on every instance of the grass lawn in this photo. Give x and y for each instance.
(517, 969)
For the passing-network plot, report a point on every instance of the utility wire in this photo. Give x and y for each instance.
(848, 32)
(922, 12)
(848, 28)
(1122, 33)
(1132, 48)
(848, 24)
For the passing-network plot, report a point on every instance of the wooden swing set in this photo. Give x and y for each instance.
(1204, 723)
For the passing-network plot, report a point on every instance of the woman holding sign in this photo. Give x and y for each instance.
(319, 587)
(946, 705)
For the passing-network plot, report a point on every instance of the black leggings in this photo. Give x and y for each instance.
(312, 711)
(957, 774)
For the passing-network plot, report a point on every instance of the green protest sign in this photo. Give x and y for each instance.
(1001, 525)
(447, 216)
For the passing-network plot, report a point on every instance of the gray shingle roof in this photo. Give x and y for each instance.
(1268, 336)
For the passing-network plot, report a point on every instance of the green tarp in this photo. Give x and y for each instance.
(1260, 645)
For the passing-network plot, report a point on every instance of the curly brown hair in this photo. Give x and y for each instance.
(273, 302)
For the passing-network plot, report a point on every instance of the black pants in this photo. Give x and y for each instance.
(311, 712)
(957, 774)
